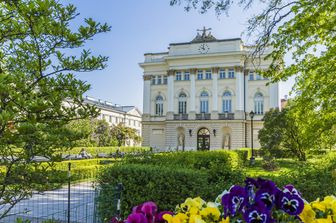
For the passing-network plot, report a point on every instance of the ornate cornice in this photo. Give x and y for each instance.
(215, 70)
(147, 77)
(170, 72)
(193, 71)
(239, 68)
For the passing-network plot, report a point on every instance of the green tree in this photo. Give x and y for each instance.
(84, 129)
(101, 133)
(39, 94)
(124, 135)
(304, 30)
(293, 131)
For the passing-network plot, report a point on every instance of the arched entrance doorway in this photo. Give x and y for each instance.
(203, 139)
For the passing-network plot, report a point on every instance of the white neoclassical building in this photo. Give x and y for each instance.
(115, 114)
(199, 94)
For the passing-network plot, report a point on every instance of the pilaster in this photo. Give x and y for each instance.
(146, 95)
(192, 110)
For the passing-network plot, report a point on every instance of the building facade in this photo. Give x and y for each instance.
(198, 95)
(115, 114)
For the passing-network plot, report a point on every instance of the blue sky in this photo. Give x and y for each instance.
(142, 26)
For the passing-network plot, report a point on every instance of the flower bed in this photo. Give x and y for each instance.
(259, 201)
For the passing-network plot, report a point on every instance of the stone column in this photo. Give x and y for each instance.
(274, 95)
(239, 114)
(247, 109)
(146, 97)
(192, 110)
(170, 82)
(214, 113)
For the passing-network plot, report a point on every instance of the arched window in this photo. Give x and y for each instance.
(204, 102)
(259, 103)
(227, 102)
(182, 103)
(159, 105)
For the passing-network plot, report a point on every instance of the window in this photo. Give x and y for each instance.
(182, 103)
(208, 74)
(110, 118)
(204, 102)
(165, 80)
(222, 73)
(186, 76)
(227, 102)
(231, 73)
(153, 80)
(251, 76)
(178, 76)
(129, 122)
(159, 105)
(258, 77)
(200, 74)
(159, 80)
(259, 103)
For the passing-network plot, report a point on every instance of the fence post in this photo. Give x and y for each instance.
(119, 191)
(69, 181)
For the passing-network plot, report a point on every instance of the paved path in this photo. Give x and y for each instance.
(54, 205)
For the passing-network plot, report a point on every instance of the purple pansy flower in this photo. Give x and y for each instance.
(234, 201)
(291, 204)
(137, 209)
(136, 218)
(267, 193)
(257, 213)
(159, 216)
(149, 209)
(291, 190)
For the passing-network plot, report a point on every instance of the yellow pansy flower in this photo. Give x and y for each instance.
(196, 219)
(308, 214)
(178, 218)
(193, 211)
(211, 212)
(324, 220)
(225, 220)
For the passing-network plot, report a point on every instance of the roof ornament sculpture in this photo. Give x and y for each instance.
(204, 37)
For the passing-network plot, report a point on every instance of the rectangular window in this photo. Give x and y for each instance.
(182, 107)
(222, 73)
(110, 118)
(159, 109)
(159, 80)
(227, 107)
(153, 80)
(251, 76)
(200, 75)
(231, 73)
(259, 107)
(186, 76)
(178, 76)
(208, 74)
(165, 80)
(258, 77)
(204, 107)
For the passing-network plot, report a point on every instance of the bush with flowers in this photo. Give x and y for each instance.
(259, 201)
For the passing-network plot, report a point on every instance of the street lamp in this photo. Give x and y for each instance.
(252, 159)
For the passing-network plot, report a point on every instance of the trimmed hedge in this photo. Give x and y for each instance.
(168, 178)
(193, 159)
(165, 185)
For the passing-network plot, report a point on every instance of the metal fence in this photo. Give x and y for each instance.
(72, 203)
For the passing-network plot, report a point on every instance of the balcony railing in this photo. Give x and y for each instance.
(203, 116)
(226, 116)
(180, 116)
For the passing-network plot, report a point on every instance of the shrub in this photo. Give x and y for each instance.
(200, 160)
(167, 186)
